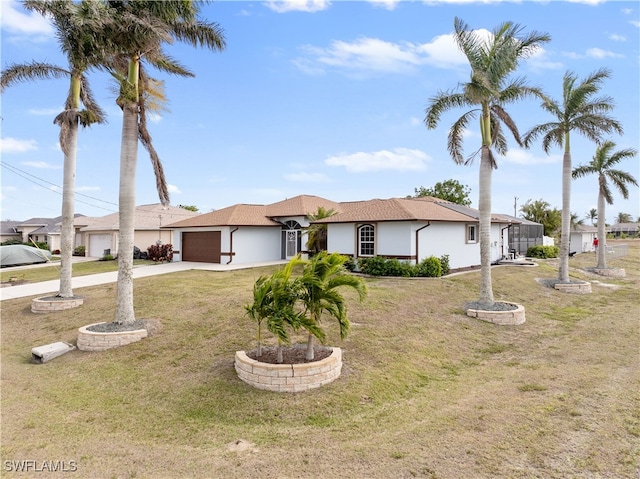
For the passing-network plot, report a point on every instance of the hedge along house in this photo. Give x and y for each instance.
(246, 233)
(413, 229)
(99, 235)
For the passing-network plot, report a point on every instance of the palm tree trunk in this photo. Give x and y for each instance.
(127, 200)
(484, 208)
(309, 356)
(602, 254)
(565, 234)
(67, 231)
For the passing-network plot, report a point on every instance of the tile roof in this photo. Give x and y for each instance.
(236, 215)
(147, 217)
(300, 205)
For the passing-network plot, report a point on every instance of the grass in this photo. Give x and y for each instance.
(425, 391)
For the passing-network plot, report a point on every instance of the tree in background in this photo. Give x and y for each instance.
(602, 165)
(75, 24)
(188, 207)
(449, 190)
(579, 112)
(623, 217)
(592, 215)
(575, 221)
(489, 89)
(317, 232)
(540, 211)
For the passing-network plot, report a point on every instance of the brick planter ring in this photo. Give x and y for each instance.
(95, 341)
(611, 272)
(583, 287)
(50, 304)
(511, 317)
(290, 378)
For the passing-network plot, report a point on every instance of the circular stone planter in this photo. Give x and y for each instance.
(290, 378)
(611, 272)
(95, 341)
(54, 303)
(508, 318)
(580, 287)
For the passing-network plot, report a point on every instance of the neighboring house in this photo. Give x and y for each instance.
(100, 235)
(523, 234)
(9, 231)
(627, 229)
(245, 233)
(407, 229)
(581, 239)
(38, 230)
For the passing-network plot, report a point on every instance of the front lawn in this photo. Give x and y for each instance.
(425, 391)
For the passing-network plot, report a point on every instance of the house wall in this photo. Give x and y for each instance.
(253, 244)
(581, 242)
(437, 239)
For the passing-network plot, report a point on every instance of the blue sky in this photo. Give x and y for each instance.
(323, 98)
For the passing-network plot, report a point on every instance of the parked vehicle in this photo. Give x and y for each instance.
(19, 254)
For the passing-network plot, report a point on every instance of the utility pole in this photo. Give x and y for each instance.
(515, 205)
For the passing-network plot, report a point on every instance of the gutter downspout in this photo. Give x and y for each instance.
(417, 239)
(231, 244)
(502, 236)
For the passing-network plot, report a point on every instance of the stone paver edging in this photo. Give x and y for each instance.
(581, 287)
(96, 341)
(48, 304)
(510, 317)
(288, 377)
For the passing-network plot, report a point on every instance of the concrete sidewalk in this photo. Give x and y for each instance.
(48, 287)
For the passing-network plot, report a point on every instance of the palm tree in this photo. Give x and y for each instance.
(592, 215)
(75, 24)
(623, 218)
(575, 220)
(602, 164)
(317, 232)
(579, 112)
(143, 28)
(489, 89)
(322, 276)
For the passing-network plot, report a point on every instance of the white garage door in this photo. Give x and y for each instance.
(99, 243)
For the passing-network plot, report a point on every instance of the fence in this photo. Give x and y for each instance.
(616, 251)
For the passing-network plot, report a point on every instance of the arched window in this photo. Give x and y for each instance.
(366, 240)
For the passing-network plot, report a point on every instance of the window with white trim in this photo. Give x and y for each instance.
(472, 233)
(366, 240)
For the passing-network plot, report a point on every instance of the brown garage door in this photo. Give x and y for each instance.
(201, 246)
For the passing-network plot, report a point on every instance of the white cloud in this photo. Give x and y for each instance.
(174, 189)
(526, 157)
(400, 159)
(13, 145)
(617, 38)
(635, 23)
(26, 25)
(283, 6)
(43, 165)
(387, 4)
(303, 177)
(600, 53)
(44, 111)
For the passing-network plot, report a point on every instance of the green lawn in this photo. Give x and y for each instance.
(425, 391)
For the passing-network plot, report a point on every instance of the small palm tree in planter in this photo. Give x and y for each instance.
(321, 278)
(274, 300)
(288, 303)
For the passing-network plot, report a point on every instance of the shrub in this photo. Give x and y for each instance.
(540, 251)
(10, 242)
(162, 252)
(444, 262)
(79, 251)
(106, 257)
(39, 244)
(56, 251)
(374, 266)
(430, 267)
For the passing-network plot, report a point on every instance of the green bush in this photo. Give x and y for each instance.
(39, 244)
(79, 251)
(162, 253)
(539, 251)
(106, 257)
(444, 262)
(10, 242)
(378, 266)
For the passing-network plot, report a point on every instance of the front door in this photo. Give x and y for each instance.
(291, 239)
(291, 244)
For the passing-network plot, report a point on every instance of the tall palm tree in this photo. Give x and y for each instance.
(623, 218)
(489, 89)
(575, 220)
(75, 25)
(144, 27)
(602, 164)
(584, 114)
(321, 279)
(592, 215)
